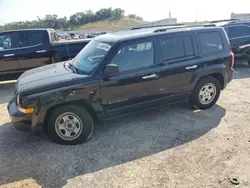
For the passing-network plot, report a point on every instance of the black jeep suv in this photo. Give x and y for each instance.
(121, 73)
(238, 32)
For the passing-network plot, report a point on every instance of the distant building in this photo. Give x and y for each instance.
(245, 16)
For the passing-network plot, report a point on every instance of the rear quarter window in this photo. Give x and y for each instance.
(211, 42)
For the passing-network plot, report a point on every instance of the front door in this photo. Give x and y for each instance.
(33, 49)
(137, 83)
(8, 59)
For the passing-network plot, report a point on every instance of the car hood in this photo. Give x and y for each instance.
(46, 78)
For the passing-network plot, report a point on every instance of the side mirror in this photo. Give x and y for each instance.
(111, 70)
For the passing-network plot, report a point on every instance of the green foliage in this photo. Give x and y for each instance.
(109, 24)
(135, 16)
(117, 14)
(77, 19)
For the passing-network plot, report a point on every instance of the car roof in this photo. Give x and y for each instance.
(146, 32)
(233, 23)
(20, 30)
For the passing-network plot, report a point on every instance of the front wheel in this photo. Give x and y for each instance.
(70, 125)
(206, 93)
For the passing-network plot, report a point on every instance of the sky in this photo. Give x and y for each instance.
(150, 10)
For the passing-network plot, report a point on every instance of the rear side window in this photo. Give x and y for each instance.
(238, 31)
(189, 47)
(30, 39)
(177, 47)
(211, 42)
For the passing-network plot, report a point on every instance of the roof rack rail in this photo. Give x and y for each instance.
(151, 26)
(240, 21)
(185, 26)
(226, 20)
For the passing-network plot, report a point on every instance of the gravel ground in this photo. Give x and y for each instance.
(168, 147)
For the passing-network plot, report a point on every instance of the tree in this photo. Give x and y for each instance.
(103, 14)
(132, 15)
(79, 18)
(89, 16)
(135, 16)
(118, 13)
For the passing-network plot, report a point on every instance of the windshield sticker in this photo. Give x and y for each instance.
(103, 46)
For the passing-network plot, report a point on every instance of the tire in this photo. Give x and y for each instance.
(70, 125)
(200, 96)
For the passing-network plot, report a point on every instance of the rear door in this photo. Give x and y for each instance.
(179, 62)
(8, 56)
(33, 49)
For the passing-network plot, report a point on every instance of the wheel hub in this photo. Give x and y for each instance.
(70, 125)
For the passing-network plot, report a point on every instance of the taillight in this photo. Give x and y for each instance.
(233, 56)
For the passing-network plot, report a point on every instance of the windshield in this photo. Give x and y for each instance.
(90, 56)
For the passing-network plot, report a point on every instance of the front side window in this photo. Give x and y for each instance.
(211, 42)
(5, 42)
(238, 31)
(30, 39)
(90, 56)
(134, 56)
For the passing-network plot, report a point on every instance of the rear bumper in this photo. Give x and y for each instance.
(21, 121)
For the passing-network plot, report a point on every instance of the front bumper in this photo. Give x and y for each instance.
(20, 120)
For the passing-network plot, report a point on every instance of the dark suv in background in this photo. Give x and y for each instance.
(122, 73)
(238, 32)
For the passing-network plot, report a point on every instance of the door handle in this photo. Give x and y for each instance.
(9, 55)
(150, 76)
(40, 51)
(191, 67)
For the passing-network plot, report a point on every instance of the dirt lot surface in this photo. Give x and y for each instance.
(168, 147)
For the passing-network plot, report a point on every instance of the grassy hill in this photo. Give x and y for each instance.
(110, 24)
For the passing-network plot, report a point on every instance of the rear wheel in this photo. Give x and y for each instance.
(206, 93)
(70, 125)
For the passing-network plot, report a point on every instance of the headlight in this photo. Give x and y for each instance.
(22, 107)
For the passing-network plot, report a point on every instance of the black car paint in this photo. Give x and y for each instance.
(15, 61)
(124, 94)
(240, 45)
